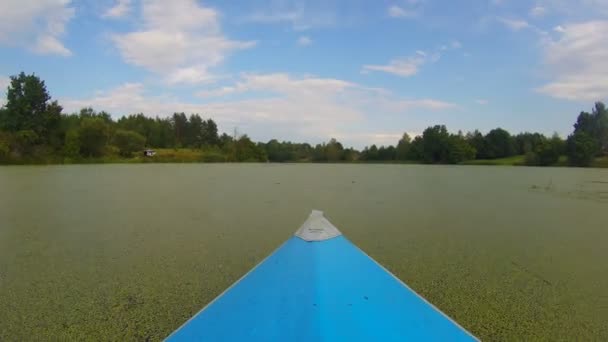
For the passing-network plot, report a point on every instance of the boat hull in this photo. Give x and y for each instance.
(325, 290)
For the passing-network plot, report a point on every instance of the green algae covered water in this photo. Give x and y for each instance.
(130, 252)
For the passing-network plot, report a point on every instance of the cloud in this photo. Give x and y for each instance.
(300, 15)
(179, 40)
(404, 67)
(277, 105)
(481, 101)
(400, 12)
(37, 25)
(514, 24)
(119, 10)
(4, 82)
(304, 41)
(575, 9)
(538, 11)
(409, 66)
(577, 61)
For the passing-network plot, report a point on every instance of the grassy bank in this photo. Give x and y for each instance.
(188, 155)
(509, 161)
(520, 160)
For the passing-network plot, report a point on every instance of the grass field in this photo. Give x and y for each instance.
(509, 161)
(520, 161)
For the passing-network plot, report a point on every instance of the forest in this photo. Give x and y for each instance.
(35, 130)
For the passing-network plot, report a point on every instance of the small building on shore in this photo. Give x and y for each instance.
(149, 153)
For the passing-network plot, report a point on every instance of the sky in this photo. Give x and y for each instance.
(361, 71)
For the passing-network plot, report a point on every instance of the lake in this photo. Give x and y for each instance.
(130, 252)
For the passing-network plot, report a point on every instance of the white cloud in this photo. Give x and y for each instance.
(514, 24)
(400, 12)
(575, 9)
(296, 108)
(481, 101)
(4, 82)
(577, 60)
(37, 25)
(191, 75)
(119, 10)
(409, 66)
(538, 11)
(298, 15)
(404, 67)
(179, 40)
(304, 41)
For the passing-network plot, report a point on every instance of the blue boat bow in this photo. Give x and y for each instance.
(318, 286)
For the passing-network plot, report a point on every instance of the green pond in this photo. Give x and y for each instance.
(130, 252)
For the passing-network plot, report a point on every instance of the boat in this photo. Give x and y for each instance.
(318, 286)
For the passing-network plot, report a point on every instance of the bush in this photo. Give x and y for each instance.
(582, 149)
(531, 159)
(71, 146)
(93, 136)
(4, 152)
(128, 142)
(213, 157)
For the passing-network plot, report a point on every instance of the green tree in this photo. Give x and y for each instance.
(28, 108)
(498, 144)
(180, 128)
(477, 141)
(25, 142)
(209, 134)
(333, 151)
(71, 146)
(247, 151)
(94, 134)
(435, 144)
(128, 142)
(595, 125)
(582, 149)
(403, 147)
(460, 150)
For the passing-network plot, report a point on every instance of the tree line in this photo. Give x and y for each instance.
(33, 128)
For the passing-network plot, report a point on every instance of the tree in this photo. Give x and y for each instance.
(180, 127)
(403, 147)
(582, 149)
(528, 142)
(595, 125)
(548, 152)
(478, 142)
(435, 144)
(370, 153)
(247, 150)
(71, 146)
(333, 150)
(498, 144)
(460, 150)
(128, 142)
(93, 135)
(25, 141)
(28, 108)
(209, 135)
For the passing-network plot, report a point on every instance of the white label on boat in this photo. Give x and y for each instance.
(317, 228)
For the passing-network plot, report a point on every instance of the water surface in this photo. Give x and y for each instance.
(115, 252)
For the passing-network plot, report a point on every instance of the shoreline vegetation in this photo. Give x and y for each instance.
(34, 130)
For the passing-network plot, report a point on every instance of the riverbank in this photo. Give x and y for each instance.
(520, 160)
(188, 155)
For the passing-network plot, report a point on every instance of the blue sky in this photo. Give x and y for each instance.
(360, 71)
